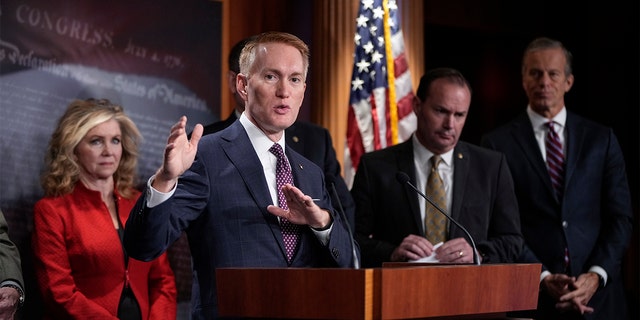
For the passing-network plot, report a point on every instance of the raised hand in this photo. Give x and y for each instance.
(178, 155)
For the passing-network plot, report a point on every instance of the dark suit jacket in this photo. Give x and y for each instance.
(594, 216)
(9, 256)
(483, 202)
(314, 143)
(222, 202)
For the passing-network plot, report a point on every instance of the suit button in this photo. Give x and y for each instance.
(335, 252)
(565, 224)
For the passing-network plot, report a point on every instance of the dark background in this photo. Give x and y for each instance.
(485, 41)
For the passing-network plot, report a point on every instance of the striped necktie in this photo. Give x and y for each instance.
(555, 165)
(555, 159)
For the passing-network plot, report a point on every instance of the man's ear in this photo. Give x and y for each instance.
(569, 83)
(416, 104)
(241, 83)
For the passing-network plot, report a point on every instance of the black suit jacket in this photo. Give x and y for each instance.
(314, 143)
(483, 202)
(594, 217)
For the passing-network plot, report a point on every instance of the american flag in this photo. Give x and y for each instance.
(380, 112)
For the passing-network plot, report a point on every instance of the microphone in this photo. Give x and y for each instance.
(404, 179)
(343, 216)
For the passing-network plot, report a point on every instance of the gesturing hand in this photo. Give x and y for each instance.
(178, 155)
(302, 209)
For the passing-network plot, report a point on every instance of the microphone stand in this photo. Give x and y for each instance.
(404, 178)
(356, 261)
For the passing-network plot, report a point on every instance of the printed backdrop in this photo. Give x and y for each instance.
(158, 59)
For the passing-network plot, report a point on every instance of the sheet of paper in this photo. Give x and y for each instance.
(432, 257)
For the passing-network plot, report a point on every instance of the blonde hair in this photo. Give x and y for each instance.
(248, 54)
(62, 170)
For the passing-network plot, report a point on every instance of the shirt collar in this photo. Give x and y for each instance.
(423, 155)
(539, 122)
(261, 143)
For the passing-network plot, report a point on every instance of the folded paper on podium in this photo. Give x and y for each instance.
(396, 291)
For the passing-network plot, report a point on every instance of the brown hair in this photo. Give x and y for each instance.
(452, 75)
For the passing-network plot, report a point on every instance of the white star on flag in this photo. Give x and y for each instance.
(380, 112)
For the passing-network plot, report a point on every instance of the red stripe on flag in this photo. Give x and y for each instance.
(405, 106)
(400, 65)
(376, 126)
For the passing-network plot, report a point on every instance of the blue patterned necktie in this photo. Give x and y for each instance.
(290, 231)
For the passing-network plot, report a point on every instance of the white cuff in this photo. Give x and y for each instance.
(155, 197)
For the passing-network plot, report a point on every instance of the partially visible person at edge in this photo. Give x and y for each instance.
(82, 270)
(222, 189)
(580, 232)
(11, 282)
(393, 221)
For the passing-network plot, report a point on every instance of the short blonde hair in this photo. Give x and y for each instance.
(63, 171)
(248, 54)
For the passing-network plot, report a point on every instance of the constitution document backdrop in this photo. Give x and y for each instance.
(159, 59)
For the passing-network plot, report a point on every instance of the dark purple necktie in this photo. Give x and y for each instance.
(283, 176)
(555, 165)
(555, 159)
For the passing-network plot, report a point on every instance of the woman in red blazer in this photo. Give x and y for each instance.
(82, 270)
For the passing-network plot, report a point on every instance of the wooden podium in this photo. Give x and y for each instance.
(396, 291)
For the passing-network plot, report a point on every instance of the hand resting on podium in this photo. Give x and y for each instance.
(416, 248)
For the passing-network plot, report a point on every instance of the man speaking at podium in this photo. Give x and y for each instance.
(244, 198)
(472, 185)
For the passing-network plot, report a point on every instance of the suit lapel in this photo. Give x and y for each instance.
(522, 133)
(238, 148)
(461, 161)
(298, 171)
(575, 138)
(406, 165)
(293, 138)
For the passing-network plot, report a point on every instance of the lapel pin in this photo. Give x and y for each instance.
(460, 156)
(295, 139)
(300, 165)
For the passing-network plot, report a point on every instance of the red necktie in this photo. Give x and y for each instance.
(283, 176)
